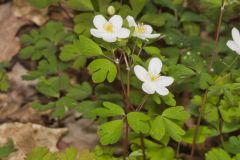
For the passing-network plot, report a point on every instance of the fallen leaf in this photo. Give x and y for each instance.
(21, 8)
(9, 26)
(29, 136)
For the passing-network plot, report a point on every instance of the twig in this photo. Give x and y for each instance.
(143, 146)
(142, 103)
(215, 53)
(202, 108)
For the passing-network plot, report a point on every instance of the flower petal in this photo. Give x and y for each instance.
(155, 66)
(141, 73)
(116, 21)
(96, 33)
(151, 35)
(233, 46)
(162, 91)
(131, 21)
(123, 33)
(109, 37)
(148, 28)
(164, 81)
(236, 36)
(148, 87)
(99, 21)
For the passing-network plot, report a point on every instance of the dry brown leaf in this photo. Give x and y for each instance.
(21, 8)
(9, 26)
(27, 136)
(82, 134)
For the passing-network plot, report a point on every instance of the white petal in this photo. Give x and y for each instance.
(236, 36)
(96, 33)
(155, 66)
(162, 91)
(123, 33)
(116, 21)
(233, 46)
(164, 81)
(148, 87)
(109, 37)
(99, 21)
(151, 35)
(131, 21)
(141, 73)
(148, 28)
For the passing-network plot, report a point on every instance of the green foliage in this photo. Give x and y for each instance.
(138, 122)
(110, 132)
(4, 82)
(110, 110)
(7, 149)
(102, 69)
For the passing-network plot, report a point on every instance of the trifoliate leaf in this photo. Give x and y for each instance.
(110, 132)
(203, 133)
(176, 113)
(217, 154)
(153, 19)
(80, 91)
(157, 128)
(232, 145)
(137, 6)
(86, 108)
(191, 17)
(111, 109)
(80, 5)
(138, 122)
(82, 47)
(102, 69)
(169, 99)
(173, 129)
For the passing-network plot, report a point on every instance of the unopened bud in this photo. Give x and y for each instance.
(111, 10)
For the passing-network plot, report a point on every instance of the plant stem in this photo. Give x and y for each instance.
(142, 103)
(143, 146)
(214, 53)
(195, 137)
(125, 145)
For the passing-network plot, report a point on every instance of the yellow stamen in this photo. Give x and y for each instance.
(153, 78)
(108, 27)
(141, 28)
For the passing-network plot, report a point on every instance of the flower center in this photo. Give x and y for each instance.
(108, 27)
(154, 77)
(141, 28)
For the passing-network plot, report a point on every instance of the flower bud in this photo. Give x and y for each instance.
(111, 10)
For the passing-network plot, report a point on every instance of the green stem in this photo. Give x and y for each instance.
(143, 146)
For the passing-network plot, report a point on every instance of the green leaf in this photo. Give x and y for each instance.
(173, 130)
(110, 132)
(176, 113)
(80, 91)
(110, 110)
(80, 5)
(4, 82)
(169, 99)
(41, 107)
(153, 51)
(70, 154)
(137, 6)
(7, 149)
(41, 3)
(82, 47)
(37, 153)
(191, 17)
(180, 72)
(217, 154)
(138, 122)
(86, 108)
(102, 69)
(203, 133)
(232, 145)
(83, 23)
(157, 128)
(153, 19)
(205, 80)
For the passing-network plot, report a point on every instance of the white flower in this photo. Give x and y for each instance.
(235, 43)
(152, 81)
(142, 31)
(109, 30)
